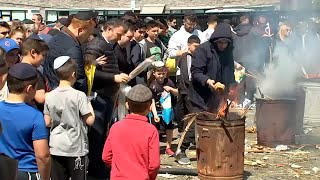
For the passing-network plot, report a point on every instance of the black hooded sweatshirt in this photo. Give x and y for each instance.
(243, 43)
(209, 63)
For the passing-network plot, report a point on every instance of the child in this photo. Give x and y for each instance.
(18, 34)
(184, 105)
(132, 147)
(162, 89)
(163, 32)
(12, 50)
(34, 51)
(67, 111)
(3, 79)
(152, 45)
(184, 80)
(24, 135)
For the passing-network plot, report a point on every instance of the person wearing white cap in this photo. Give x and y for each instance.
(67, 112)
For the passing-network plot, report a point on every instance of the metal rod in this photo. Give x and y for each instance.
(250, 75)
(304, 72)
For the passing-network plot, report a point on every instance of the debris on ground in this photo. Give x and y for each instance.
(295, 166)
(167, 176)
(282, 148)
(315, 170)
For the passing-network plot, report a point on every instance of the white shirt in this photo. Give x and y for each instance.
(4, 92)
(207, 34)
(179, 41)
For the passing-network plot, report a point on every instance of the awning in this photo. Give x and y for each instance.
(152, 9)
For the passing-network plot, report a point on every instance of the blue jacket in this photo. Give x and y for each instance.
(63, 44)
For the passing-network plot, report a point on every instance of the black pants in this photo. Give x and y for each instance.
(28, 176)
(64, 168)
(103, 108)
(183, 107)
(188, 107)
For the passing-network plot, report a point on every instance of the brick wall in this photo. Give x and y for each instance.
(126, 3)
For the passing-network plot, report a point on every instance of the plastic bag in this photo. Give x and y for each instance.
(90, 69)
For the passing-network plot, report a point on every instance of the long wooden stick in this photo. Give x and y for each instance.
(186, 130)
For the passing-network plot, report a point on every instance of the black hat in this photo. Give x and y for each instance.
(35, 37)
(139, 93)
(28, 21)
(64, 21)
(23, 71)
(86, 15)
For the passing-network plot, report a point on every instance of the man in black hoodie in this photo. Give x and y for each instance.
(244, 54)
(212, 63)
(106, 83)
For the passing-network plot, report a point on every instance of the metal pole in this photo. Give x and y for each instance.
(133, 5)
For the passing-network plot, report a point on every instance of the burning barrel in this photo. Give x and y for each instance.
(276, 122)
(220, 151)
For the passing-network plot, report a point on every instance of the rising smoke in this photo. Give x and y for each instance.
(292, 60)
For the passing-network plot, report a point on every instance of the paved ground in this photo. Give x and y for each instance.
(298, 162)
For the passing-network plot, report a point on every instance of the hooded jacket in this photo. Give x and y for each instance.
(243, 43)
(209, 63)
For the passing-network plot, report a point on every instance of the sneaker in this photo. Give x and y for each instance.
(182, 159)
(169, 152)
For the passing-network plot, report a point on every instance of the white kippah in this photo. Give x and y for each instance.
(158, 64)
(60, 61)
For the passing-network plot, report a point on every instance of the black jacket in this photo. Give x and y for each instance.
(209, 63)
(63, 44)
(135, 57)
(243, 43)
(183, 81)
(103, 82)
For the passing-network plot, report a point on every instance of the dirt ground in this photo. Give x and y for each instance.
(297, 162)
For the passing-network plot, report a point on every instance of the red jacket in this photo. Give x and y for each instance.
(132, 149)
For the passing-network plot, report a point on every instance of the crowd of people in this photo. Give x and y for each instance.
(56, 123)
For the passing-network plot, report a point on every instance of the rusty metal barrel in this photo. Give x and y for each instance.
(220, 151)
(276, 122)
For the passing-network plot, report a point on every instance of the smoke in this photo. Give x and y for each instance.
(291, 58)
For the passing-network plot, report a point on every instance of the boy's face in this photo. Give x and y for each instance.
(153, 32)
(4, 32)
(139, 34)
(12, 57)
(164, 31)
(173, 23)
(38, 58)
(192, 47)
(18, 37)
(160, 76)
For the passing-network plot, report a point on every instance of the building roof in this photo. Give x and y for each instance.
(125, 4)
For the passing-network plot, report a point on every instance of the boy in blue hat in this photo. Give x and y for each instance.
(24, 136)
(12, 50)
